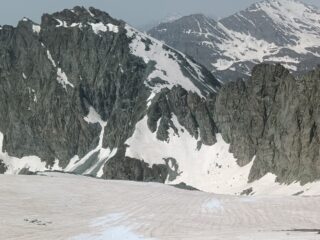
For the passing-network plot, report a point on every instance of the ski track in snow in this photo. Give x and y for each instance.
(76, 208)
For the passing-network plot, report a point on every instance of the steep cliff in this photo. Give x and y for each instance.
(275, 118)
(74, 87)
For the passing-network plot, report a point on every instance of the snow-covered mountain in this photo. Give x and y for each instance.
(85, 93)
(78, 88)
(276, 31)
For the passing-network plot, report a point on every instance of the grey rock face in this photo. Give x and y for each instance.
(192, 112)
(3, 167)
(275, 118)
(51, 74)
(185, 187)
(274, 31)
(125, 168)
(25, 171)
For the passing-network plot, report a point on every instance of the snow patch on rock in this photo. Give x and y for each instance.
(64, 24)
(61, 23)
(101, 27)
(61, 76)
(15, 165)
(51, 59)
(63, 79)
(36, 28)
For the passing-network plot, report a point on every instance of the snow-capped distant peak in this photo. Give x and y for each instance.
(278, 31)
(171, 18)
(282, 11)
(280, 3)
(296, 21)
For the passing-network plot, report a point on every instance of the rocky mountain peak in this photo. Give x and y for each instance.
(190, 23)
(277, 4)
(81, 17)
(279, 22)
(288, 12)
(82, 82)
(198, 16)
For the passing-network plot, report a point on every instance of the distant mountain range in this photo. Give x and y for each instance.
(275, 31)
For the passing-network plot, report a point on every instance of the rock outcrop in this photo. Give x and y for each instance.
(275, 118)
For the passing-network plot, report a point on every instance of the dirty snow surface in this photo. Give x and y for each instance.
(61, 206)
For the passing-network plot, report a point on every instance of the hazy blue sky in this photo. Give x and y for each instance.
(135, 12)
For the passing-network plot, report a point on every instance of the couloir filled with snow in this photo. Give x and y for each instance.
(61, 206)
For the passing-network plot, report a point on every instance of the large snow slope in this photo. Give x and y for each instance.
(72, 207)
(210, 168)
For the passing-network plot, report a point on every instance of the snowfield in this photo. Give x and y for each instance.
(211, 168)
(61, 206)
